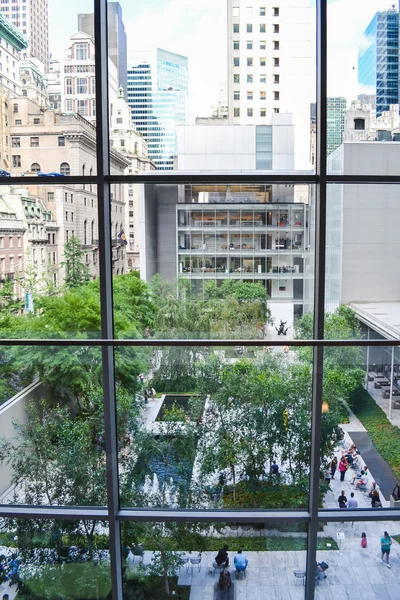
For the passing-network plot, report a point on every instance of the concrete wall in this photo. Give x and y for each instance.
(14, 411)
(363, 226)
(167, 199)
(148, 231)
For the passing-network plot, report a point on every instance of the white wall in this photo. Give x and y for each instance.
(14, 411)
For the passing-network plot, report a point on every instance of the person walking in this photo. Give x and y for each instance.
(333, 467)
(386, 542)
(342, 500)
(343, 466)
(352, 502)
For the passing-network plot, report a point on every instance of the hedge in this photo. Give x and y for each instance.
(384, 435)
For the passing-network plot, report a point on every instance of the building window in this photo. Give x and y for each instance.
(263, 45)
(249, 45)
(18, 122)
(276, 28)
(15, 142)
(249, 28)
(15, 108)
(236, 61)
(81, 51)
(83, 108)
(68, 85)
(276, 95)
(16, 160)
(93, 85)
(263, 78)
(276, 110)
(276, 62)
(275, 11)
(61, 140)
(276, 45)
(235, 11)
(249, 62)
(236, 78)
(249, 95)
(263, 95)
(263, 62)
(236, 28)
(119, 120)
(50, 196)
(34, 142)
(68, 106)
(82, 85)
(263, 112)
(66, 215)
(249, 112)
(236, 45)
(36, 121)
(262, 11)
(236, 95)
(65, 169)
(276, 78)
(262, 27)
(236, 112)
(249, 78)
(35, 168)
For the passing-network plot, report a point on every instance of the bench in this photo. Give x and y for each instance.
(381, 382)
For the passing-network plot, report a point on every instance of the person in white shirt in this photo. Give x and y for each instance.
(352, 503)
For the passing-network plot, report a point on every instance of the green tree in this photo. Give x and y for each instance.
(8, 303)
(76, 272)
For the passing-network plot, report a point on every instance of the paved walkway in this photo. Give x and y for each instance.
(384, 475)
(353, 574)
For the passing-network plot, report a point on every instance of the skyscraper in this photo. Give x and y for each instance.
(117, 47)
(32, 20)
(158, 83)
(378, 59)
(335, 122)
(269, 65)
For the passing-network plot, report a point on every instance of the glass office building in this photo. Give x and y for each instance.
(378, 59)
(158, 85)
(336, 114)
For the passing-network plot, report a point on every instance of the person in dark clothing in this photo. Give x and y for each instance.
(222, 558)
(274, 469)
(342, 500)
(225, 580)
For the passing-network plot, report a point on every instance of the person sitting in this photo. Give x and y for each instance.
(319, 571)
(222, 558)
(240, 561)
(362, 481)
(358, 477)
(274, 469)
(225, 580)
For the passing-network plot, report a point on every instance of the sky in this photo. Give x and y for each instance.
(198, 30)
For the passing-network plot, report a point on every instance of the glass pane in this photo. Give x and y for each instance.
(48, 70)
(214, 428)
(360, 424)
(361, 257)
(363, 92)
(47, 559)
(52, 447)
(49, 262)
(194, 560)
(366, 556)
(172, 90)
(240, 256)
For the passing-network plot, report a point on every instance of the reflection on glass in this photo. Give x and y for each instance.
(200, 560)
(46, 559)
(223, 428)
(52, 426)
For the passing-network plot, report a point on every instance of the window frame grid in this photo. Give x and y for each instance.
(103, 180)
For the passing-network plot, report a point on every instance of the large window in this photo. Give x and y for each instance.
(206, 357)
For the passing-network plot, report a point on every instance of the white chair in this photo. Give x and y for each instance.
(196, 561)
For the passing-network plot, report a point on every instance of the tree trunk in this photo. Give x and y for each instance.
(233, 482)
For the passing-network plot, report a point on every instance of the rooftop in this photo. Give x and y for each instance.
(383, 317)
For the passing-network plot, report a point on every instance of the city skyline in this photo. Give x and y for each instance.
(207, 54)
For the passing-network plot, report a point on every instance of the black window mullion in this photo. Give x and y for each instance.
(106, 295)
(319, 291)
